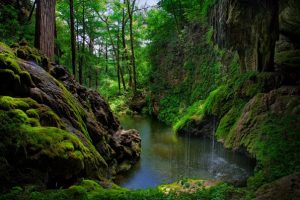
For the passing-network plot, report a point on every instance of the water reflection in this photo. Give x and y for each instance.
(166, 158)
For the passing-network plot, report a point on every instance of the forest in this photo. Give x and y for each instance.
(150, 99)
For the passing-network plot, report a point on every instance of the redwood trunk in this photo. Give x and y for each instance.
(45, 27)
(73, 37)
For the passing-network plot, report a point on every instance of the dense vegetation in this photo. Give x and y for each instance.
(192, 64)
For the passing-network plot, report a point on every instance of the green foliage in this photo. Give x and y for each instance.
(169, 109)
(91, 190)
(206, 5)
(228, 121)
(194, 112)
(13, 26)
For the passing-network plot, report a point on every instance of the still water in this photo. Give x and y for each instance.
(166, 157)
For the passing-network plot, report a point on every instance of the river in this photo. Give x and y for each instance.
(166, 157)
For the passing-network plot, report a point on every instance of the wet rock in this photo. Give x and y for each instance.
(137, 102)
(199, 128)
(127, 144)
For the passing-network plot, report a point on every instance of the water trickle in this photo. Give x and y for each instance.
(213, 140)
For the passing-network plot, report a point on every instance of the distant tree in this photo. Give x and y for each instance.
(45, 27)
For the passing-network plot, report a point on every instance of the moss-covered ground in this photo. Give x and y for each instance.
(91, 190)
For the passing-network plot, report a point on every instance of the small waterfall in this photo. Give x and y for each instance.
(187, 156)
(213, 140)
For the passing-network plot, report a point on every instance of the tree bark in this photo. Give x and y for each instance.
(83, 45)
(125, 57)
(73, 37)
(118, 60)
(45, 27)
(106, 57)
(130, 8)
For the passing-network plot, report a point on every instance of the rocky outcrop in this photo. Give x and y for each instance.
(250, 27)
(53, 130)
(254, 28)
(288, 46)
(283, 102)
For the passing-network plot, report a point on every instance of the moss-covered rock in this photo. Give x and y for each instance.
(201, 117)
(13, 80)
(23, 51)
(58, 131)
(268, 128)
(46, 151)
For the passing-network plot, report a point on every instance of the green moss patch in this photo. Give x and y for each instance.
(36, 131)
(25, 52)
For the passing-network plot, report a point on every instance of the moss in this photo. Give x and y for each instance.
(49, 118)
(54, 146)
(76, 109)
(33, 122)
(195, 112)
(219, 101)
(91, 190)
(8, 60)
(25, 52)
(19, 80)
(288, 58)
(277, 145)
(7, 103)
(33, 113)
(26, 78)
(228, 121)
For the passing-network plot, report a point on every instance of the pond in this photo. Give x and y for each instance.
(165, 157)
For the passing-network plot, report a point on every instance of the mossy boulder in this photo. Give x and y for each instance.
(53, 130)
(43, 154)
(13, 80)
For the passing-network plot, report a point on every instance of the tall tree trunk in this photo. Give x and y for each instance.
(106, 57)
(73, 37)
(119, 61)
(125, 57)
(83, 46)
(115, 53)
(130, 8)
(91, 47)
(45, 27)
(96, 77)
